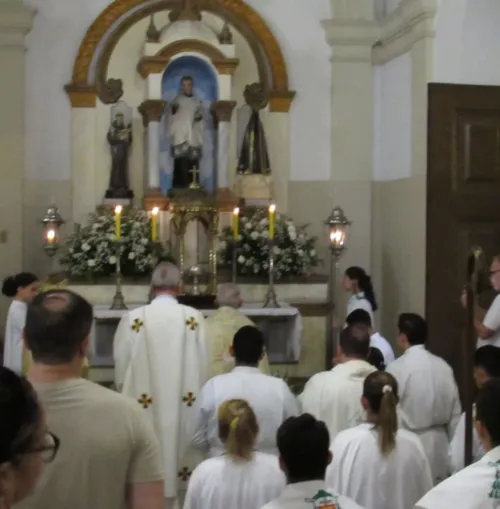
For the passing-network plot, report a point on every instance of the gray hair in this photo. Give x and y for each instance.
(165, 276)
(229, 295)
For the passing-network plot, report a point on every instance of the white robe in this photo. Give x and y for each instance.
(161, 361)
(269, 396)
(457, 446)
(335, 396)
(13, 347)
(184, 132)
(311, 495)
(474, 487)
(359, 301)
(429, 403)
(221, 483)
(220, 328)
(378, 341)
(360, 472)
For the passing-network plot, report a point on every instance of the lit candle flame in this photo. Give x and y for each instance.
(155, 211)
(236, 211)
(336, 236)
(272, 208)
(51, 235)
(118, 209)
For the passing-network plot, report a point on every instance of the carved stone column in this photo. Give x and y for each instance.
(152, 111)
(223, 111)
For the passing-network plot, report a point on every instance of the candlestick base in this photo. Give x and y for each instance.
(118, 301)
(271, 299)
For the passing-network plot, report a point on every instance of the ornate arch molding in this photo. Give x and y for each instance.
(105, 32)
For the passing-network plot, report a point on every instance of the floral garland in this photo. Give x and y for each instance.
(91, 250)
(294, 250)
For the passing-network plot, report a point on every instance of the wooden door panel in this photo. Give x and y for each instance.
(463, 204)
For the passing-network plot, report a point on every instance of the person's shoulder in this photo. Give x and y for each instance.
(190, 311)
(412, 440)
(496, 303)
(269, 461)
(132, 314)
(345, 436)
(347, 503)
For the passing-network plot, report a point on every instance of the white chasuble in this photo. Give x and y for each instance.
(160, 361)
(475, 487)
(361, 472)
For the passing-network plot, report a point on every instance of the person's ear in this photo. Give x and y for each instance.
(364, 403)
(330, 457)
(231, 351)
(282, 465)
(25, 343)
(84, 347)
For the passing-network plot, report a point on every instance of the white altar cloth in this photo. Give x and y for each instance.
(288, 333)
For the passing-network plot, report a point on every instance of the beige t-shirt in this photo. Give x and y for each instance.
(106, 444)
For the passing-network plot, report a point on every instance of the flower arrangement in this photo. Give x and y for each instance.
(294, 250)
(92, 249)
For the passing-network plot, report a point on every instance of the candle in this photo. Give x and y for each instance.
(272, 217)
(236, 223)
(154, 224)
(51, 236)
(118, 222)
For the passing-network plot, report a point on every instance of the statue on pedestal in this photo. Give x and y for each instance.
(120, 140)
(185, 129)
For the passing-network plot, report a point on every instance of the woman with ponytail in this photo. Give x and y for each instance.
(241, 477)
(359, 284)
(22, 288)
(376, 464)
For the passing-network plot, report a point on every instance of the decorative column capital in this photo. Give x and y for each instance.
(353, 9)
(151, 110)
(223, 110)
(16, 20)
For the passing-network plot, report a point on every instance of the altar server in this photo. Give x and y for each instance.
(486, 366)
(360, 316)
(374, 463)
(240, 477)
(334, 396)
(478, 485)
(429, 401)
(161, 362)
(303, 445)
(359, 284)
(221, 327)
(269, 396)
(22, 287)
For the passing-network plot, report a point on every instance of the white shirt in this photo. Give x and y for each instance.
(13, 347)
(334, 396)
(492, 322)
(311, 495)
(359, 301)
(457, 446)
(360, 472)
(378, 341)
(474, 487)
(220, 483)
(429, 403)
(269, 396)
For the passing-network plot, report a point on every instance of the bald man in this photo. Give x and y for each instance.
(221, 328)
(161, 362)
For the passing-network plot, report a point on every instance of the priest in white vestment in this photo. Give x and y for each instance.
(486, 366)
(376, 464)
(221, 327)
(478, 485)
(241, 477)
(161, 361)
(269, 396)
(429, 401)
(303, 444)
(335, 396)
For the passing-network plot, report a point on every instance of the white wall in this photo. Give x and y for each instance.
(60, 26)
(392, 119)
(467, 43)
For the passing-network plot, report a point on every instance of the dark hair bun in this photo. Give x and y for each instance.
(9, 287)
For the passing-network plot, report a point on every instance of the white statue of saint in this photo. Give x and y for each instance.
(185, 129)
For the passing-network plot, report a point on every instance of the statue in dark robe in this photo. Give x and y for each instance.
(119, 139)
(254, 157)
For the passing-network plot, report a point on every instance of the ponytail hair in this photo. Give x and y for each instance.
(238, 428)
(380, 390)
(12, 284)
(364, 284)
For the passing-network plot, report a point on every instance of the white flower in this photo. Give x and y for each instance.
(300, 252)
(112, 260)
(131, 255)
(292, 235)
(254, 235)
(265, 234)
(85, 247)
(312, 252)
(276, 250)
(248, 226)
(241, 259)
(144, 241)
(91, 263)
(223, 245)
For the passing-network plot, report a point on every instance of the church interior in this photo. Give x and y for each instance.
(373, 106)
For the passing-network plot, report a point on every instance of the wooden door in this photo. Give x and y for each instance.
(463, 207)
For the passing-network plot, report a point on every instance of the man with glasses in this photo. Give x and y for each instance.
(487, 323)
(109, 456)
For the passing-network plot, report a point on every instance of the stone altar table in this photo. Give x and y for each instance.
(281, 326)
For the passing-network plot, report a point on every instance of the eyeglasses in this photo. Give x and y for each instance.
(48, 451)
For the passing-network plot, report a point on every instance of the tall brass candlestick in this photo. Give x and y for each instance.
(118, 300)
(271, 300)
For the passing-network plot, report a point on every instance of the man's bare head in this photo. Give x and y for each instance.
(58, 325)
(228, 294)
(166, 278)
